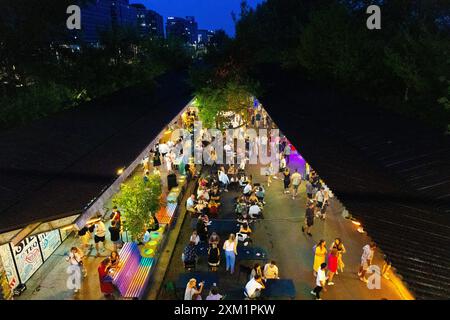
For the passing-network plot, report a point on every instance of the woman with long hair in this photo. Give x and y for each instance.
(332, 265)
(339, 246)
(106, 285)
(320, 253)
(230, 248)
(192, 293)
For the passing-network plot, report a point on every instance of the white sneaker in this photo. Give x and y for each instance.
(313, 293)
(331, 283)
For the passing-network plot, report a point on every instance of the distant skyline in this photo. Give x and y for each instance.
(210, 14)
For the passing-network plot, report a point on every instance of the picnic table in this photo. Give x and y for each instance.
(222, 227)
(279, 288)
(251, 253)
(208, 277)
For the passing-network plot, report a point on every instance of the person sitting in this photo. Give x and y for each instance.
(271, 270)
(214, 239)
(244, 234)
(254, 211)
(202, 182)
(247, 189)
(241, 207)
(245, 229)
(254, 286)
(189, 255)
(214, 294)
(203, 192)
(213, 208)
(245, 218)
(256, 270)
(224, 180)
(190, 205)
(213, 257)
(253, 199)
(201, 206)
(115, 260)
(215, 194)
(243, 181)
(260, 193)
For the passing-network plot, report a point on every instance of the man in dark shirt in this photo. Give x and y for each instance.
(309, 218)
(114, 230)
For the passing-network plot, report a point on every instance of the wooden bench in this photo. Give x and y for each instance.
(132, 278)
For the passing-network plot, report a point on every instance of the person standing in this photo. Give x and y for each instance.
(85, 237)
(320, 255)
(339, 246)
(116, 216)
(194, 238)
(321, 279)
(189, 255)
(213, 257)
(75, 269)
(309, 190)
(114, 231)
(366, 260)
(191, 291)
(309, 218)
(287, 152)
(286, 180)
(230, 248)
(332, 265)
(296, 180)
(99, 235)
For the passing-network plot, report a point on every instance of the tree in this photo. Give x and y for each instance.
(216, 103)
(138, 200)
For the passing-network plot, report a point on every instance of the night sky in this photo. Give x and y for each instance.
(210, 14)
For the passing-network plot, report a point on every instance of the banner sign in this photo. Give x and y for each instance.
(49, 241)
(8, 266)
(28, 257)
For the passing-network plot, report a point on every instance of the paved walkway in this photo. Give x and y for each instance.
(280, 234)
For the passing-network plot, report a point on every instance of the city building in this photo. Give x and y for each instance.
(177, 28)
(204, 37)
(102, 15)
(123, 14)
(192, 30)
(149, 22)
(156, 22)
(95, 18)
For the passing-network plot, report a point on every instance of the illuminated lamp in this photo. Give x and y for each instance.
(120, 171)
